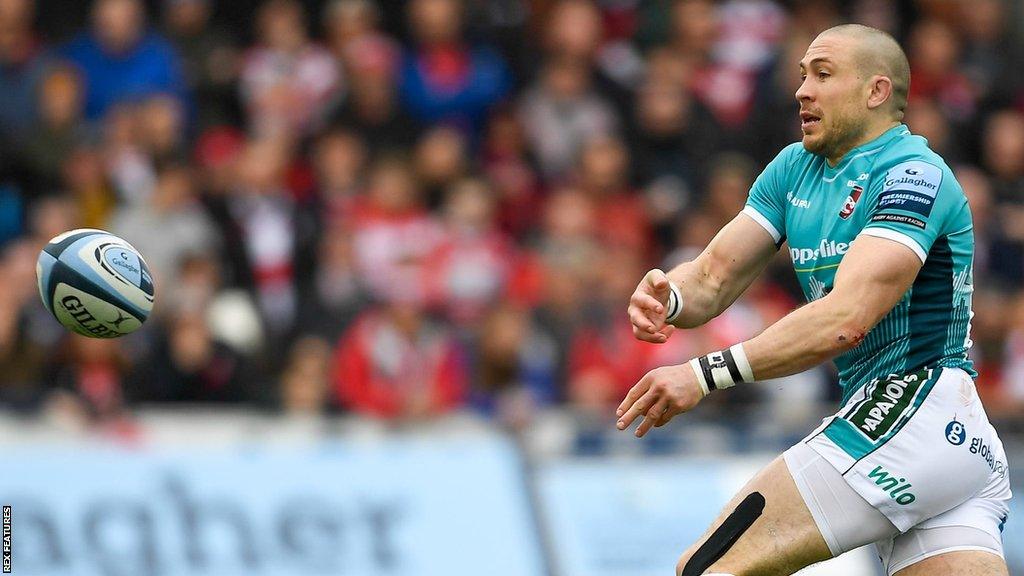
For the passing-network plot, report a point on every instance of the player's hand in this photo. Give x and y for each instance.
(662, 394)
(647, 308)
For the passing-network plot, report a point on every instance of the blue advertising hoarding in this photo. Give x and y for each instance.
(432, 508)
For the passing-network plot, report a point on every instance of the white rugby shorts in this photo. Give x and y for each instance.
(910, 463)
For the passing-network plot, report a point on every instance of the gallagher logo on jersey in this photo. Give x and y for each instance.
(851, 202)
(911, 187)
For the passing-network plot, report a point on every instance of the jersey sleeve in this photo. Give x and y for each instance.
(913, 205)
(766, 203)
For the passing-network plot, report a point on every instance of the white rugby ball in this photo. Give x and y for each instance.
(94, 283)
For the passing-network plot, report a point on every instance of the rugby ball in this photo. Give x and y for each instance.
(95, 283)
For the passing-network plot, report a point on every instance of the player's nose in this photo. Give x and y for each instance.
(804, 92)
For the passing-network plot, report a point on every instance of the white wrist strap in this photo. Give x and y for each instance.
(722, 369)
(675, 303)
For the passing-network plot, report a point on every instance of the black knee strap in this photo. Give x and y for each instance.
(726, 535)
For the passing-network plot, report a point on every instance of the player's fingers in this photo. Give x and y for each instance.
(645, 336)
(667, 415)
(657, 280)
(652, 416)
(639, 407)
(640, 320)
(635, 392)
(646, 303)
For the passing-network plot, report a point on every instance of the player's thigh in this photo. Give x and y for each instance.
(783, 539)
(959, 563)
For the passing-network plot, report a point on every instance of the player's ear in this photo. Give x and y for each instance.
(880, 91)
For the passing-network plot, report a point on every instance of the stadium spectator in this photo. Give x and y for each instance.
(88, 185)
(396, 364)
(475, 263)
(393, 235)
(161, 129)
(22, 357)
(172, 211)
(926, 118)
(726, 89)
(339, 162)
(130, 170)
(603, 175)
(440, 159)
(604, 357)
(560, 112)
(272, 229)
(87, 379)
(372, 108)
(210, 59)
(933, 51)
(1003, 150)
(335, 296)
(988, 47)
(511, 168)
(663, 154)
(575, 29)
(59, 129)
(23, 65)
(189, 365)
(444, 78)
(349, 21)
(515, 367)
(121, 60)
(306, 379)
(287, 82)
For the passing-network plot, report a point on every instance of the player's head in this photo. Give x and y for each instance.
(854, 78)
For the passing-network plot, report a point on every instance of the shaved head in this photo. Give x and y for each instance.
(878, 53)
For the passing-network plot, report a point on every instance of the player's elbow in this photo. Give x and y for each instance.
(847, 336)
(848, 329)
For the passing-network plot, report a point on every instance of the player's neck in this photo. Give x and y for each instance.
(870, 134)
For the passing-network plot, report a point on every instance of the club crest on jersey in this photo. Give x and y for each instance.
(851, 202)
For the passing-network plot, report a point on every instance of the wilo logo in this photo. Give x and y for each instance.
(892, 486)
(826, 249)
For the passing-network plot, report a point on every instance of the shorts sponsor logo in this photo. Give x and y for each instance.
(899, 219)
(897, 489)
(955, 433)
(911, 186)
(889, 399)
(826, 249)
(979, 447)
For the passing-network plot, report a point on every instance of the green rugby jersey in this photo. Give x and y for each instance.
(893, 187)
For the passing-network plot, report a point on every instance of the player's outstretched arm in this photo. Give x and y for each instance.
(872, 278)
(707, 285)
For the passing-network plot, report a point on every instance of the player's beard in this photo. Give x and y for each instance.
(844, 132)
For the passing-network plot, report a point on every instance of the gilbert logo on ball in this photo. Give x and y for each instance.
(95, 283)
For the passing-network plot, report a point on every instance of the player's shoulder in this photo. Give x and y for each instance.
(910, 162)
(793, 153)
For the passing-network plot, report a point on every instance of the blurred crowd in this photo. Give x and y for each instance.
(405, 208)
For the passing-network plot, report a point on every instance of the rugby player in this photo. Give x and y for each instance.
(881, 239)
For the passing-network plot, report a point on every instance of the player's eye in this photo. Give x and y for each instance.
(822, 75)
